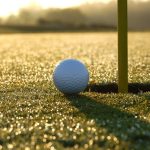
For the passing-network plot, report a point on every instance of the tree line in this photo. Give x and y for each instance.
(90, 16)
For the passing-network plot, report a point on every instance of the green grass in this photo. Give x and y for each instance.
(34, 115)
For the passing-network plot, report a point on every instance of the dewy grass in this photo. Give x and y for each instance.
(34, 115)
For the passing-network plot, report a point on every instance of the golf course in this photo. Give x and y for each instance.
(35, 115)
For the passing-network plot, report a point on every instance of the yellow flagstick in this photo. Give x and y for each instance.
(122, 46)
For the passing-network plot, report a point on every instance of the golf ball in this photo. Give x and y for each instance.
(70, 76)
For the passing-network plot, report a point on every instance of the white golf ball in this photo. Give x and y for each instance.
(71, 76)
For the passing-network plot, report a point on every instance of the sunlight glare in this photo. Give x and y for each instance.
(8, 7)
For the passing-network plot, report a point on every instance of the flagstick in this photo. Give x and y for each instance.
(122, 46)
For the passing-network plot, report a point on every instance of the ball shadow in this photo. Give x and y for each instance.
(116, 121)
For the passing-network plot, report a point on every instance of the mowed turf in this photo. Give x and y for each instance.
(34, 115)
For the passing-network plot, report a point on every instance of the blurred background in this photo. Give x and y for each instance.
(70, 15)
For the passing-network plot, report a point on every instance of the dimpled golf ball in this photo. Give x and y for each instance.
(70, 76)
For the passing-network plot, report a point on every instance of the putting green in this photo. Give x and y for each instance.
(34, 115)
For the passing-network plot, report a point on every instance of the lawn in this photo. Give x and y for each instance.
(34, 115)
